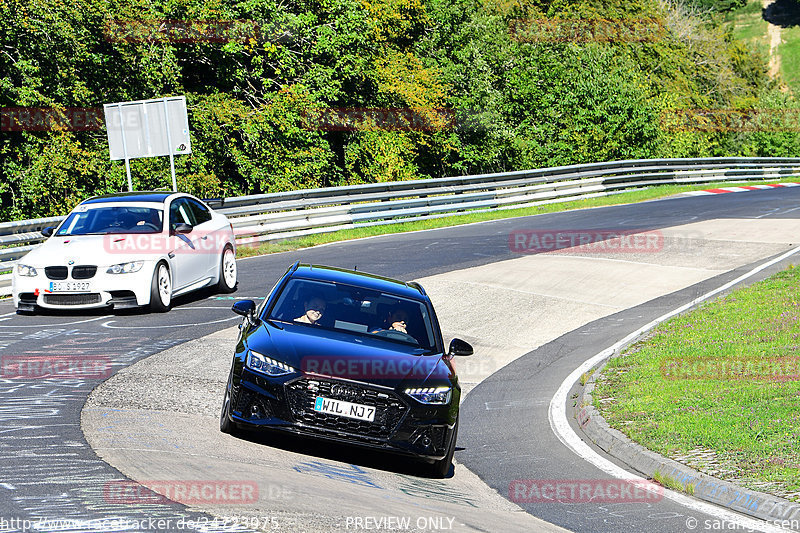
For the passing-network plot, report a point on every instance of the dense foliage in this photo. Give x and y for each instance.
(485, 96)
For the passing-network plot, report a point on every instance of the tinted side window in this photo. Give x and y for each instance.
(201, 213)
(180, 213)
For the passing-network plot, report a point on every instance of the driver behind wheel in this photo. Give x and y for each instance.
(128, 220)
(396, 320)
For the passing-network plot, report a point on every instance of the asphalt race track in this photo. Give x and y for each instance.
(52, 478)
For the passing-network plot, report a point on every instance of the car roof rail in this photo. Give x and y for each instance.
(415, 285)
(294, 266)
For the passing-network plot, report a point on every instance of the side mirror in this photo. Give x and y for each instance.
(246, 308)
(182, 228)
(48, 231)
(459, 347)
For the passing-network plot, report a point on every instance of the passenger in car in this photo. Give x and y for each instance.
(314, 308)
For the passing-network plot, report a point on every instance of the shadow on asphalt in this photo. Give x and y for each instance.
(344, 453)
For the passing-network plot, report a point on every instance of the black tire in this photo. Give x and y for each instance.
(228, 273)
(161, 289)
(225, 423)
(441, 468)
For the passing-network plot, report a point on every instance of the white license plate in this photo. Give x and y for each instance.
(341, 408)
(69, 286)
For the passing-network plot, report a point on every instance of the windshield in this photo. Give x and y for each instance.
(112, 219)
(357, 310)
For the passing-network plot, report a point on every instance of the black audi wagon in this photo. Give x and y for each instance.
(350, 357)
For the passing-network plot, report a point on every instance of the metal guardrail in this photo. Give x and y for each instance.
(284, 215)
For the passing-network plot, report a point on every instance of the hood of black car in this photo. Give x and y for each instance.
(349, 356)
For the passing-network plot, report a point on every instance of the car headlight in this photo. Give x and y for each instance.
(267, 365)
(26, 270)
(125, 268)
(431, 395)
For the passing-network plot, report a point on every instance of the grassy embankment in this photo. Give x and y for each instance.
(790, 52)
(718, 388)
(750, 27)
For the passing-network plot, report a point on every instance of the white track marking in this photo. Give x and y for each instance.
(55, 325)
(777, 211)
(559, 423)
(190, 308)
(110, 322)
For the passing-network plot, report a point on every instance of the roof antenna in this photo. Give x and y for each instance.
(355, 268)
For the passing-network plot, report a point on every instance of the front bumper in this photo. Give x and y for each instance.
(401, 425)
(104, 290)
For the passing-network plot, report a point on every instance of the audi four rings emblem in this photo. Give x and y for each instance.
(342, 390)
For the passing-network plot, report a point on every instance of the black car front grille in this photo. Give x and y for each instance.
(56, 272)
(84, 271)
(389, 409)
(72, 299)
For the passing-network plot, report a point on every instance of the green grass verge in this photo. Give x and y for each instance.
(748, 25)
(672, 483)
(639, 195)
(717, 388)
(789, 51)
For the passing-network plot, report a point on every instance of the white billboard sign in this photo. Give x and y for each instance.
(148, 128)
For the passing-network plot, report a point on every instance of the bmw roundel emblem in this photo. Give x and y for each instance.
(70, 262)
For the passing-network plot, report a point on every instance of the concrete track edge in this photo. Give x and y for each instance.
(776, 510)
(702, 486)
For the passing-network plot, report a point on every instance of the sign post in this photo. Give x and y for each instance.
(148, 128)
(124, 150)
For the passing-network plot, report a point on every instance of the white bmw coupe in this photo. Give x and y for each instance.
(128, 250)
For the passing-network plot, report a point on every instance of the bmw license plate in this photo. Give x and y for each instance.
(341, 408)
(69, 286)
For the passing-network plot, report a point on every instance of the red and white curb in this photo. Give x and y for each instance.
(743, 188)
